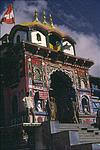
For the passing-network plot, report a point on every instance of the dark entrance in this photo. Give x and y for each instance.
(64, 94)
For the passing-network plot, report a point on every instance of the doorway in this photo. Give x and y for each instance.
(64, 94)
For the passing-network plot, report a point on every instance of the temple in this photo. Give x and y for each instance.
(42, 79)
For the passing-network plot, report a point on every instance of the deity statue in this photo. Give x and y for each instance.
(53, 108)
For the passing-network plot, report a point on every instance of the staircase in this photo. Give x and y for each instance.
(68, 127)
(87, 133)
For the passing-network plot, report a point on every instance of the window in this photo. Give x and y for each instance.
(29, 65)
(18, 39)
(29, 74)
(83, 86)
(54, 42)
(85, 105)
(38, 102)
(20, 36)
(30, 92)
(95, 106)
(38, 37)
(94, 86)
(67, 47)
(37, 74)
(30, 81)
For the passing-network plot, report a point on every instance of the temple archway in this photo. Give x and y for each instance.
(64, 94)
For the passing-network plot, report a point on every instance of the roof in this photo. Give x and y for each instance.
(43, 25)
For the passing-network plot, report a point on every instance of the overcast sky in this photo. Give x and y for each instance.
(78, 18)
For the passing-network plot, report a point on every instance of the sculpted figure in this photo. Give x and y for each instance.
(53, 108)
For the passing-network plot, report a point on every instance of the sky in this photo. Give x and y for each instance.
(80, 19)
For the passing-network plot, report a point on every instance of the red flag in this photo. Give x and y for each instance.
(8, 16)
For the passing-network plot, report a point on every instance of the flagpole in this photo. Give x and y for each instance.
(13, 12)
(0, 28)
(8, 16)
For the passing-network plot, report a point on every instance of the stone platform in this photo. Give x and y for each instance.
(51, 135)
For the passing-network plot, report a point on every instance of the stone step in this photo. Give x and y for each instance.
(89, 137)
(76, 126)
(89, 140)
(97, 132)
(84, 130)
(68, 127)
(87, 133)
(92, 129)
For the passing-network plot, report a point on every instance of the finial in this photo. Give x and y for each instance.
(51, 21)
(44, 17)
(36, 15)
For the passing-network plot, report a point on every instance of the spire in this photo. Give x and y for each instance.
(51, 21)
(44, 18)
(36, 16)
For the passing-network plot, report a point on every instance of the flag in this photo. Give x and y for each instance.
(8, 16)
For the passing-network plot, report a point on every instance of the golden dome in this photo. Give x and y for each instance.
(44, 25)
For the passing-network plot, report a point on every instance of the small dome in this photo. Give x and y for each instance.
(47, 26)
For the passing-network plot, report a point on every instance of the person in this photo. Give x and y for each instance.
(53, 108)
(28, 104)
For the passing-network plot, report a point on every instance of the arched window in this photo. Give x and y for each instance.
(67, 47)
(30, 92)
(85, 105)
(37, 74)
(30, 81)
(18, 39)
(29, 65)
(55, 42)
(29, 74)
(83, 85)
(38, 37)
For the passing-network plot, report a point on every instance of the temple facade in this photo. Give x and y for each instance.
(38, 58)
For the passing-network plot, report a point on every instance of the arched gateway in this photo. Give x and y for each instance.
(64, 94)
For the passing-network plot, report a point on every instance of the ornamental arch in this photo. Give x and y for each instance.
(62, 90)
(85, 104)
(52, 70)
